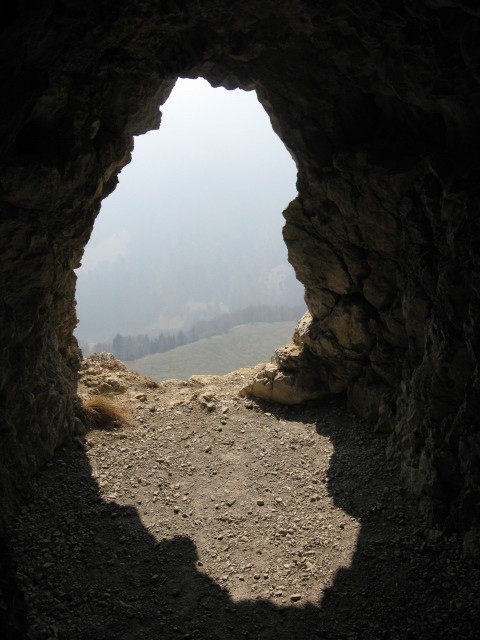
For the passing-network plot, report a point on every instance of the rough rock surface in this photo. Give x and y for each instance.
(293, 375)
(210, 516)
(379, 105)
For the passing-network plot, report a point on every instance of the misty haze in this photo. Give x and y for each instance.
(193, 229)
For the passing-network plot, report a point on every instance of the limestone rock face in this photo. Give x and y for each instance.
(92, 374)
(290, 378)
(378, 104)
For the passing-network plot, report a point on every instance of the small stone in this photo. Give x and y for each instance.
(260, 503)
(208, 449)
(176, 510)
(295, 597)
(231, 502)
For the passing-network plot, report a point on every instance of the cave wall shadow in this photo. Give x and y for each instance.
(118, 581)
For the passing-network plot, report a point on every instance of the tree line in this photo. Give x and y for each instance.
(138, 346)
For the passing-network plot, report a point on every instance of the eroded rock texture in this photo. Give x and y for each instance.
(379, 104)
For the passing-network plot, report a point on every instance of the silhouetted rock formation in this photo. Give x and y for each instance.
(380, 108)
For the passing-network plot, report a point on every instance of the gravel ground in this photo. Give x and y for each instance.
(214, 517)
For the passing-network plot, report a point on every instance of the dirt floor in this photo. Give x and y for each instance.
(215, 517)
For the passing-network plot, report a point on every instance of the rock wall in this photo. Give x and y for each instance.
(378, 103)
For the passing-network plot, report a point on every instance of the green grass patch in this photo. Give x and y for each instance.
(243, 346)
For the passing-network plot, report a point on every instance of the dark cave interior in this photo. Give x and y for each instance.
(379, 104)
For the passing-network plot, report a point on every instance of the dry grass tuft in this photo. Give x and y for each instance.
(102, 413)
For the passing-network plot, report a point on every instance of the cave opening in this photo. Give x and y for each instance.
(190, 245)
(380, 108)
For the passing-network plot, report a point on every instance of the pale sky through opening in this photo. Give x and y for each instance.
(194, 225)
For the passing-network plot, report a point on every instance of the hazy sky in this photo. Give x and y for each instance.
(195, 221)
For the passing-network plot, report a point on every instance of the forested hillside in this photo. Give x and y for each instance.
(243, 346)
(128, 348)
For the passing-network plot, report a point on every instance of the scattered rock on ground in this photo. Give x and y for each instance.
(254, 521)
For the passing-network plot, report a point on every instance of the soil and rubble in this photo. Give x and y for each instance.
(214, 516)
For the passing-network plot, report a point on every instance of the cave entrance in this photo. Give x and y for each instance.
(191, 234)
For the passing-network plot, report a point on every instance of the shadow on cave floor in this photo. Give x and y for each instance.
(92, 570)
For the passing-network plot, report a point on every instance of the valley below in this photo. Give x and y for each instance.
(243, 346)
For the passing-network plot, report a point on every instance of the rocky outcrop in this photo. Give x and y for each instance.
(293, 375)
(378, 105)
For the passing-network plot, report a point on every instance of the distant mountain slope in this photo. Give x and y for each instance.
(243, 346)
